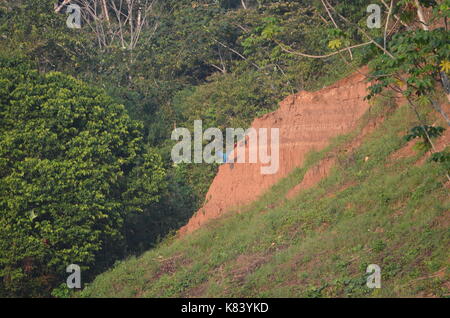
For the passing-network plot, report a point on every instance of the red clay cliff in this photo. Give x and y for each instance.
(306, 121)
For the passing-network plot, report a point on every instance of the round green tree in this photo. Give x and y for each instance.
(73, 167)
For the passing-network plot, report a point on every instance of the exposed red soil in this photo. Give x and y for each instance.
(405, 152)
(321, 170)
(306, 121)
(313, 176)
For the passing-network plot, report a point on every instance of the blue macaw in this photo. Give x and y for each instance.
(223, 155)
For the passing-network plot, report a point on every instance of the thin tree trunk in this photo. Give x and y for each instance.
(105, 10)
(439, 109)
(360, 29)
(396, 16)
(444, 78)
(422, 124)
(421, 16)
(131, 23)
(335, 25)
(139, 15)
(387, 23)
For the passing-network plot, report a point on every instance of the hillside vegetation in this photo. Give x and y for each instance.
(87, 178)
(391, 209)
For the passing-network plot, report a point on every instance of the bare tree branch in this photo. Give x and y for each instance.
(125, 24)
(58, 8)
(421, 16)
(335, 25)
(289, 50)
(235, 52)
(361, 30)
(387, 23)
(395, 16)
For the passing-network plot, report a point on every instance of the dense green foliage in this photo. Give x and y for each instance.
(73, 169)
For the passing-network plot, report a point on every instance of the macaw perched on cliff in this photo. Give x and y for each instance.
(223, 155)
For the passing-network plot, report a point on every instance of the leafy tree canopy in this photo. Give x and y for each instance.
(73, 167)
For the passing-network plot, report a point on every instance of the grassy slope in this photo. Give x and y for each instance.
(391, 213)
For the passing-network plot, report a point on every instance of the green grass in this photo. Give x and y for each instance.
(319, 244)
